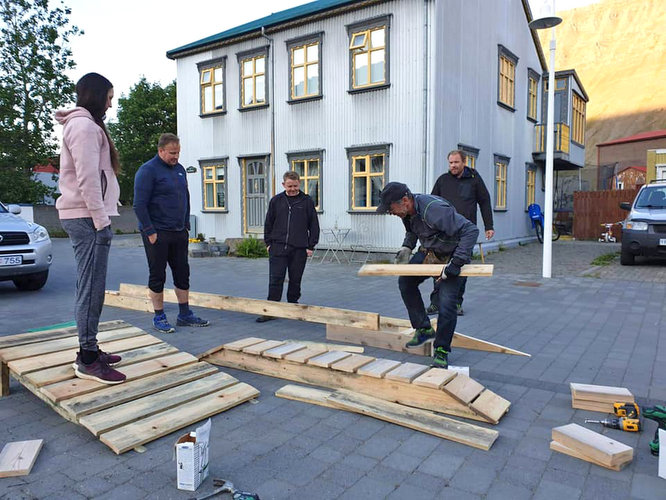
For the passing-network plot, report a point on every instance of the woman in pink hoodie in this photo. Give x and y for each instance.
(90, 192)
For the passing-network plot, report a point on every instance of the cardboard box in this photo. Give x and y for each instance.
(192, 458)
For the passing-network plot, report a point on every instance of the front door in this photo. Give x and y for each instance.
(255, 194)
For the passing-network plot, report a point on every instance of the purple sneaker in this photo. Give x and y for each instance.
(99, 371)
(110, 359)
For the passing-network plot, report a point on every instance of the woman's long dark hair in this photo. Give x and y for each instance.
(91, 93)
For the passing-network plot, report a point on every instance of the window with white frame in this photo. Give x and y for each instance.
(501, 173)
(214, 173)
(369, 54)
(253, 78)
(212, 94)
(368, 169)
(305, 67)
(308, 166)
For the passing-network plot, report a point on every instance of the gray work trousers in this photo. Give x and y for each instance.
(91, 252)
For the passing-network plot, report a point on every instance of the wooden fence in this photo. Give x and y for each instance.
(594, 208)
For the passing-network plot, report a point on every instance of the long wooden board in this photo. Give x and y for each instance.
(41, 336)
(560, 448)
(592, 444)
(137, 433)
(17, 458)
(301, 312)
(390, 390)
(422, 270)
(600, 393)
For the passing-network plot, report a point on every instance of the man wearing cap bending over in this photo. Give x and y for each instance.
(445, 237)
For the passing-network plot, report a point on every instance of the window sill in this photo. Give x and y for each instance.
(533, 120)
(500, 209)
(369, 211)
(214, 113)
(360, 90)
(577, 144)
(305, 99)
(215, 211)
(252, 108)
(506, 106)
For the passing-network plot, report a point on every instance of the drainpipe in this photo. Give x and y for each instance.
(272, 105)
(424, 153)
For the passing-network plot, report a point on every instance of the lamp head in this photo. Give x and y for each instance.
(544, 16)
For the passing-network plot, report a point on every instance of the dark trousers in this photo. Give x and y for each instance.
(462, 283)
(91, 253)
(281, 260)
(170, 248)
(447, 294)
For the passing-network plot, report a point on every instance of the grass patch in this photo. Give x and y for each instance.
(605, 259)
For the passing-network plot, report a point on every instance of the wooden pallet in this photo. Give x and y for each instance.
(410, 384)
(165, 389)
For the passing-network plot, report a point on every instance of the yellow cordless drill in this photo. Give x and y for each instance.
(622, 423)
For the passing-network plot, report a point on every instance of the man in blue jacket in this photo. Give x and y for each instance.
(446, 236)
(291, 231)
(162, 206)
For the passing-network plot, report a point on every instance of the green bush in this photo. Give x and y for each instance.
(252, 248)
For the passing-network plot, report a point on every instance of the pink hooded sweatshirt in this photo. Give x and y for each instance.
(87, 182)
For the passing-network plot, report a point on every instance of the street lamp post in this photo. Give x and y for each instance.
(545, 18)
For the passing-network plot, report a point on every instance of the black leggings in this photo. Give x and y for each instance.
(170, 248)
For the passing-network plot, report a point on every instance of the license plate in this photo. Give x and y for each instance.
(662, 242)
(11, 260)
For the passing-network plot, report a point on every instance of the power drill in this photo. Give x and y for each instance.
(622, 423)
(658, 414)
(629, 410)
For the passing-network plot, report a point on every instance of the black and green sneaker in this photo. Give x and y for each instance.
(432, 309)
(421, 335)
(441, 358)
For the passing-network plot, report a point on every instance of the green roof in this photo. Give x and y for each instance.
(266, 22)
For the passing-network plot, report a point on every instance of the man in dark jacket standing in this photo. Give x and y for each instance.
(291, 231)
(464, 189)
(447, 236)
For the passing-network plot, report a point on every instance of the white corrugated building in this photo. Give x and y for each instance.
(357, 93)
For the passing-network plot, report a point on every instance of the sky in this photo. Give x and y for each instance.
(127, 39)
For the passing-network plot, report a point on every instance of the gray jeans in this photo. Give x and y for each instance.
(91, 252)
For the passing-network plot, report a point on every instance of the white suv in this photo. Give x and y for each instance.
(644, 229)
(25, 250)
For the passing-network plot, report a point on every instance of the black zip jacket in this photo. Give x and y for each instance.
(291, 221)
(464, 193)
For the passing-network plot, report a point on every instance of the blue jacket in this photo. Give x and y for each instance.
(161, 197)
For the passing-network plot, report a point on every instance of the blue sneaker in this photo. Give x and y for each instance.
(191, 320)
(421, 335)
(161, 324)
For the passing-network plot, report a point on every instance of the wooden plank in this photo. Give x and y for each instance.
(115, 299)
(422, 270)
(76, 387)
(592, 406)
(27, 365)
(117, 416)
(129, 391)
(327, 359)
(301, 312)
(393, 333)
(281, 351)
(435, 378)
(560, 448)
(259, 348)
(406, 372)
(352, 363)
(378, 368)
(414, 418)
(600, 393)
(592, 444)
(491, 405)
(142, 431)
(305, 355)
(66, 372)
(17, 458)
(4, 379)
(330, 347)
(463, 388)
(35, 349)
(239, 345)
(390, 390)
(41, 336)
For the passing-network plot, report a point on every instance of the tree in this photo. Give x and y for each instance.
(34, 59)
(147, 112)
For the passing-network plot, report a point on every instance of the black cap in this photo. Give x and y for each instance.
(392, 192)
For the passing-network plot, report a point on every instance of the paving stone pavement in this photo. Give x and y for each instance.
(591, 324)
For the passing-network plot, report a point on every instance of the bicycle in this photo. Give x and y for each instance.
(536, 216)
(608, 236)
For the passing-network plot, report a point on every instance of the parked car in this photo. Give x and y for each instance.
(644, 230)
(25, 250)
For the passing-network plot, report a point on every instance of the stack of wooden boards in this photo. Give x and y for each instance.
(598, 397)
(411, 384)
(165, 389)
(585, 444)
